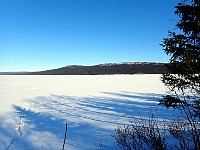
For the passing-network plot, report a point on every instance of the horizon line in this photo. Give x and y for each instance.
(35, 70)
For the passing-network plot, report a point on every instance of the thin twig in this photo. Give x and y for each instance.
(65, 137)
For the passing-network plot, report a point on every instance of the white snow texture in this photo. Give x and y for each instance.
(34, 109)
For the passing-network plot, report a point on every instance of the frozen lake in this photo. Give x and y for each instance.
(35, 109)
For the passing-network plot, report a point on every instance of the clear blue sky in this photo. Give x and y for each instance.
(46, 34)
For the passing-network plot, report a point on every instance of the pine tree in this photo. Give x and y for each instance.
(184, 49)
(183, 77)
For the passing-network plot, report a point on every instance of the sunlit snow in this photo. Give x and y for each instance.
(35, 109)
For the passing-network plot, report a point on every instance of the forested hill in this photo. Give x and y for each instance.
(102, 69)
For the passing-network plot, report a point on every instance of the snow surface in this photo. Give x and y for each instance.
(34, 109)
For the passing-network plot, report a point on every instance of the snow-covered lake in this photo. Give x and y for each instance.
(34, 109)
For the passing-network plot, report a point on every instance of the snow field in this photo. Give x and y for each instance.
(35, 109)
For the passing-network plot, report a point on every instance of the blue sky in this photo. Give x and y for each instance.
(47, 34)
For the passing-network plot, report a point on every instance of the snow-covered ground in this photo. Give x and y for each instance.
(34, 109)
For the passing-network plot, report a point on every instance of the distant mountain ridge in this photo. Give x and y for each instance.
(102, 69)
(14, 73)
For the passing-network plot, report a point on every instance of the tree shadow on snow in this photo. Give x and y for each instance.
(91, 120)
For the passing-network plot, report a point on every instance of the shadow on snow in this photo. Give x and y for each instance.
(91, 120)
